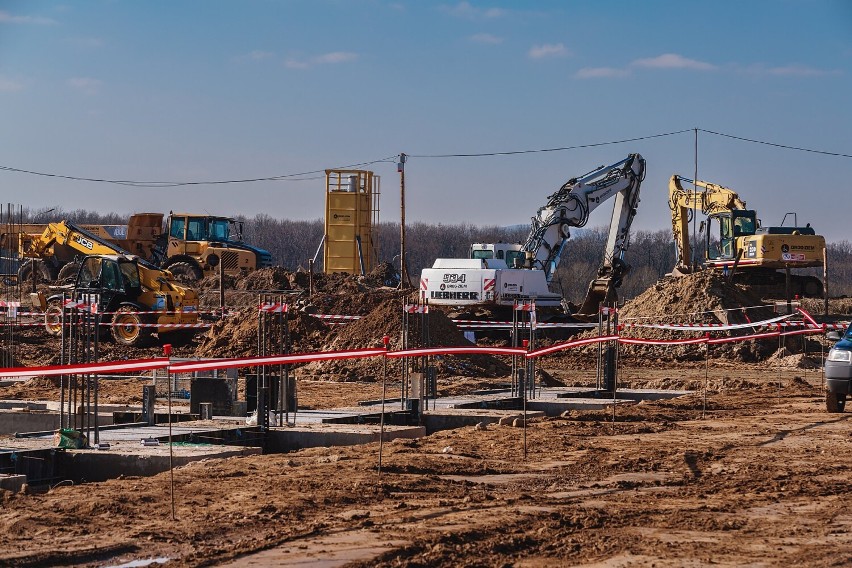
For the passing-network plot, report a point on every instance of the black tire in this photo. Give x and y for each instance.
(68, 273)
(835, 401)
(53, 318)
(127, 328)
(25, 272)
(812, 288)
(185, 272)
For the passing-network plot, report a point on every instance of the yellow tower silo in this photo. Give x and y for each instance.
(351, 212)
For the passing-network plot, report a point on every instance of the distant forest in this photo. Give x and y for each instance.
(651, 254)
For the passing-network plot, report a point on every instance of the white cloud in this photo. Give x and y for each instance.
(85, 85)
(486, 39)
(548, 50)
(800, 71)
(295, 64)
(8, 85)
(673, 61)
(331, 58)
(467, 10)
(7, 18)
(601, 72)
(336, 57)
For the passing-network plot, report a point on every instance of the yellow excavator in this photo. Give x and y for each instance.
(754, 255)
(137, 297)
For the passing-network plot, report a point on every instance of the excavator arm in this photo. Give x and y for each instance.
(570, 207)
(713, 199)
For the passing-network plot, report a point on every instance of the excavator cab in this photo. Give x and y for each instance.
(732, 225)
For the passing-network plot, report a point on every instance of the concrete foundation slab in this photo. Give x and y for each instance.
(14, 421)
(12, 482)
(449, 418)
(556, 407)
(327, 435)
(127, 458)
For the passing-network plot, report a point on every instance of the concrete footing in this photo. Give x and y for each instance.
(449, 418)
(96, 465)
(558, 406)
(143, 450)
(26, 420)
(12, 482)
(326, 435)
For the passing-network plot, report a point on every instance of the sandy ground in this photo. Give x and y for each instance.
(759, 477)
(752, 472)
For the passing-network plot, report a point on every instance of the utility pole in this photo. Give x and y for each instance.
(404, 281)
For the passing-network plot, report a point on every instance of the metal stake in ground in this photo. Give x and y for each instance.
(167, 351)
(386, 341)
(524, 400)
(706, 374)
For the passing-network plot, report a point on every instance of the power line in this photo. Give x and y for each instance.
(312, 175)
(164, 184)
(515, 152)
(777, 145)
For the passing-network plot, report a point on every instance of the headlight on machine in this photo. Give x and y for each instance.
(840, 355)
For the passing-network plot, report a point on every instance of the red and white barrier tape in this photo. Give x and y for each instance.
(457, 351)
(571, 345)
(127, 324)
(333, 317)
(88, 368)
(706, 326)
(190, 366)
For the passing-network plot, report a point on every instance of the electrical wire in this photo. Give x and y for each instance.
(563, 148)
(165, 184)
(313, 174)
(838, 154)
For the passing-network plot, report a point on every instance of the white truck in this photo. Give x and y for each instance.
(500, 273)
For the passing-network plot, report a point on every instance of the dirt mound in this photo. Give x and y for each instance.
(703, 297)
(785, 359)
(386, 319)
(237, 334)
(384, 274)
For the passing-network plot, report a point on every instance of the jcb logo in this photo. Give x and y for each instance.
(85, 242)
(454, 278)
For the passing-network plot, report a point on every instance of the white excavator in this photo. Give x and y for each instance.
(501, 274)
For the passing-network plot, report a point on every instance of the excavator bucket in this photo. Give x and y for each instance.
(601, 291)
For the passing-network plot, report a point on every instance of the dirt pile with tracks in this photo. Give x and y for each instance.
(386, 320)
(237, 334)
(702, 299)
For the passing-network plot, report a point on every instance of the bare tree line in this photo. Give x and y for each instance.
(293, 243)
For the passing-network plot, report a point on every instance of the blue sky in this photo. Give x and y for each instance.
(210, 90)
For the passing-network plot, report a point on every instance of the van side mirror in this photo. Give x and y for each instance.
(832, 335)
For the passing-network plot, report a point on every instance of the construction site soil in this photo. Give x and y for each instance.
(747, 470)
